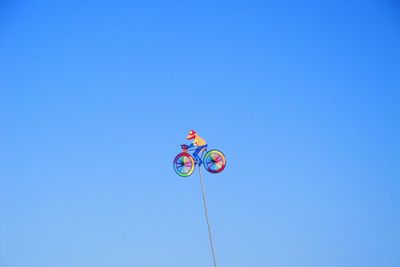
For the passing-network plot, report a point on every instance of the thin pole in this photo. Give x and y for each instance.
(208, 222)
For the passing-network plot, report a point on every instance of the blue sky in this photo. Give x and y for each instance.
(301, 96)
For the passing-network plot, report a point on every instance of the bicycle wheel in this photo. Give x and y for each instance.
(184, 164)
(214, 161)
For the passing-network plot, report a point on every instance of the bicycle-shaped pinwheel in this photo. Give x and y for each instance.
(213, 160)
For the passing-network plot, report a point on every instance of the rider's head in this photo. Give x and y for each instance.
(191, 135)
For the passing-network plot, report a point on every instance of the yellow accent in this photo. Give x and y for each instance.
(198, 141)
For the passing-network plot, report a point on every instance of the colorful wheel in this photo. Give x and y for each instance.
(214, 161)
(184, 164)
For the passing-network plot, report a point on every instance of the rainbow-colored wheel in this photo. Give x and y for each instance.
(214, 161)
(184, 164)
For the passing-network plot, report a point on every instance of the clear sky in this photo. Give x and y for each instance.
(302, 96)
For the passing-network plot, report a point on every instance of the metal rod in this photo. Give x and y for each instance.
(208, 222)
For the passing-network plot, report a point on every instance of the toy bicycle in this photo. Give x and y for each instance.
(213, 160)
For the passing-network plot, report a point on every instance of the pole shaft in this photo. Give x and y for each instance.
(207, 219)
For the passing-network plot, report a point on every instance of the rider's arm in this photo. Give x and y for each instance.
(191, 145)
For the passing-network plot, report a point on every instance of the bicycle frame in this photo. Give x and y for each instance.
(204, 150)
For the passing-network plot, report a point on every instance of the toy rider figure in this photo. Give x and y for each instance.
(199, 143)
